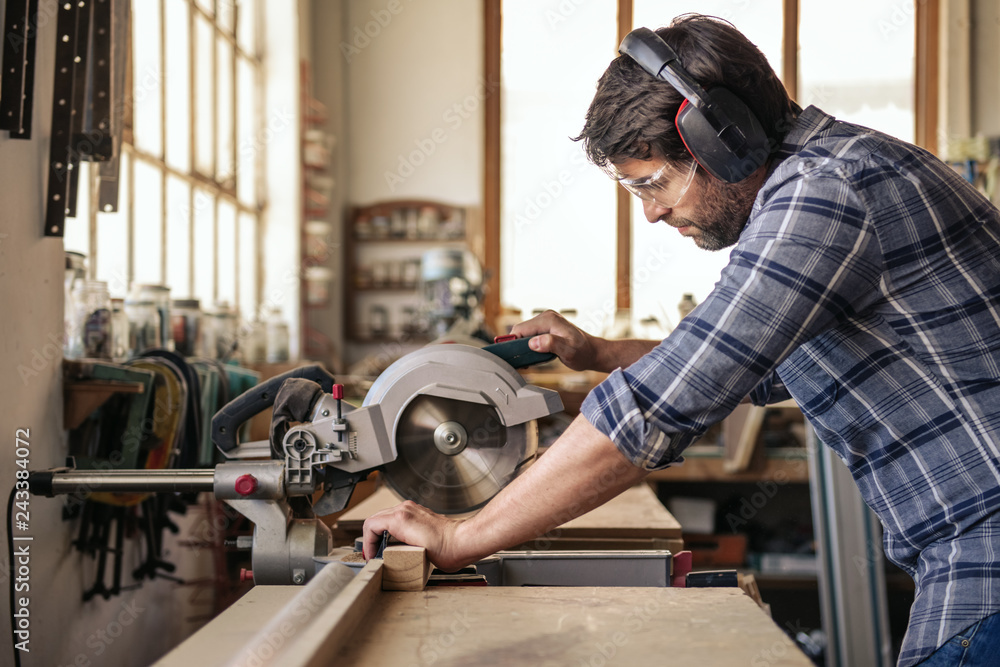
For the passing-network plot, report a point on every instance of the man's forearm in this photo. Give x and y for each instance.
(580, 471)
(614, 354)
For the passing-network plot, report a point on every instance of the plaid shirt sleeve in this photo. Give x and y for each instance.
(807, 259)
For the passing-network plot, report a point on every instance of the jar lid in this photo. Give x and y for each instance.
(92, 285)
(187, 303)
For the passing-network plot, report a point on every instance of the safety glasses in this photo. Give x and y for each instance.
(664, 187)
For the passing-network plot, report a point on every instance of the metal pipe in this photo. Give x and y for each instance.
(134, 481)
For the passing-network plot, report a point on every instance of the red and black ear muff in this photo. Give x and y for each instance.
(717, 127)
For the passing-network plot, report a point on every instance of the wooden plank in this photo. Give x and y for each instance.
(311, 622)
(406, 568)
(568, 626)
(739, 461)
(672, 544)
(710, 469)
(636, 513)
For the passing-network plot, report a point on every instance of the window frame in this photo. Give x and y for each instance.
(925, 113)
(218, 187)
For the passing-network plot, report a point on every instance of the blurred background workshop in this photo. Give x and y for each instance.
(201, 196)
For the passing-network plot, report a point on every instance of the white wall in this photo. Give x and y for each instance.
(142, 624)
(414, 98)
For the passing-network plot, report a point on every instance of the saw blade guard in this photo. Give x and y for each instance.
(461, 423)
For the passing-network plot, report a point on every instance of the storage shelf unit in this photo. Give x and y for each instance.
(383, 246)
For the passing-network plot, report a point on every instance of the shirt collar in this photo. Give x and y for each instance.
(808, 123)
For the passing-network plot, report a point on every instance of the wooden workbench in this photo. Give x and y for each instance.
(636, 519)
(359, 624)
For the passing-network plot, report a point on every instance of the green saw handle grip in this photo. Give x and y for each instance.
(227, 421)
(517, 353)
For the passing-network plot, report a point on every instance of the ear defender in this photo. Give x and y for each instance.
(717, 127)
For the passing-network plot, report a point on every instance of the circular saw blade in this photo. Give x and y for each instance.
(452, 483)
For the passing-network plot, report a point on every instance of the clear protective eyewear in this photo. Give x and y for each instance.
(664, 187)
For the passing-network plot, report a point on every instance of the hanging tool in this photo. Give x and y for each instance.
(17, 83)
(89, 61)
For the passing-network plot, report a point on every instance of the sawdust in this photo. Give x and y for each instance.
(354, 557)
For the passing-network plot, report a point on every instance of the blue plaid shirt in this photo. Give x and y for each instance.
(866, 285)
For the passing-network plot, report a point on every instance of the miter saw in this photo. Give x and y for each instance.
(448, 426)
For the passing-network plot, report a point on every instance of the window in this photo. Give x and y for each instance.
(551, 56)
(554, 204)
(189, 205)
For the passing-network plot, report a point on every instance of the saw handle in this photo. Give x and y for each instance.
(515, 351)
(227, 421)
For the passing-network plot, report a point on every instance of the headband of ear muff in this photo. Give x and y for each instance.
(717, 127)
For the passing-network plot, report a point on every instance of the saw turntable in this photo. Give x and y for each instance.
(448, 426)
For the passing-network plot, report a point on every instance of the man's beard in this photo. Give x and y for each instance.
(724, 212)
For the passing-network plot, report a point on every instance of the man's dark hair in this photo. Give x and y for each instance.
(632, 114)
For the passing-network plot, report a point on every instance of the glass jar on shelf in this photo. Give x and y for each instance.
(76, 271)
(278, 340)
(219, 332)
(119, 331)
(159, 296)
(93, 318)
(143, 325)
(186, 326)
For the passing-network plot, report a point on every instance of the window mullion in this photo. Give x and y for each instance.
(623, 208)
(192, 138)
(164, 223)
(790, 47)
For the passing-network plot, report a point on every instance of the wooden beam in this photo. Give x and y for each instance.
(623, 205)
(790, 48)
(925, 89)
(406, 568)
(492, 40)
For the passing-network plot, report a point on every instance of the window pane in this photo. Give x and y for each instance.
(147, 75)
(226, 14)
(147, 245)
(204, 96)
(224, 93)
(665, 265)
(870, 83)
(246, 25)
(204, 247)
(248, 143)
(179, 237)
(557, 211)
(226, 255)
(76, 232)
(248, 266)
(178, 85)
(112, 238)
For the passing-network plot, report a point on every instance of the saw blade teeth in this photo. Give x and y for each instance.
(462, 480)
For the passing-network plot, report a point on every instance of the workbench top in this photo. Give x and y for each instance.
(363, 626)
(713, 627)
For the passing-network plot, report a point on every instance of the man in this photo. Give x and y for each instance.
(864, 283)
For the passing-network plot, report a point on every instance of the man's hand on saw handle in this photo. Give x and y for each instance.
(551, 332)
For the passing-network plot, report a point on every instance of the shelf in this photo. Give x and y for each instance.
(415, 339)
(82, 397)
(401, 239)
(386, 258)
(386, 288)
